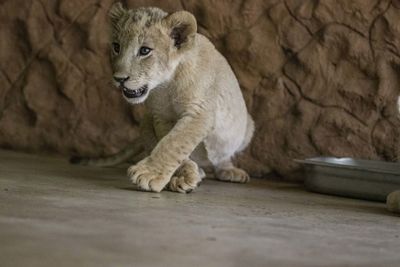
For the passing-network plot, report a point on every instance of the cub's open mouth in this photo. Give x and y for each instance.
(131, 93)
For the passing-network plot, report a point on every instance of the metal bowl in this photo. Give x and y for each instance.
(355, 178)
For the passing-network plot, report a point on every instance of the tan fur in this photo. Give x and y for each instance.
(195, 107)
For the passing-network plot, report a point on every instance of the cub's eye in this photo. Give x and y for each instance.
(144, 51)
(116, 47)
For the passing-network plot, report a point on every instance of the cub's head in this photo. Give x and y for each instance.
(146, 46)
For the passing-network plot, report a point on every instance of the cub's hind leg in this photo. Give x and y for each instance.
(226, 171)
(186, 178)
(228, 139)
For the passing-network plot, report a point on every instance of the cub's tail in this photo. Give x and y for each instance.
(127, 154)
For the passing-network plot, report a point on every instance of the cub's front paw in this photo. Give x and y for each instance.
(186, 178)
(147, 177)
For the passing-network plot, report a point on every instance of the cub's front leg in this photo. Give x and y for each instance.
(186, 178)
(154, 172)
(148, 175)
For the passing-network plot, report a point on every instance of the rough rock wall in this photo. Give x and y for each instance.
(319, 77)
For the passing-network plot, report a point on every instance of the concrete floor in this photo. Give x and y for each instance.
(54, 214)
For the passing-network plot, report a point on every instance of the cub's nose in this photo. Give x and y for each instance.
(121, 79)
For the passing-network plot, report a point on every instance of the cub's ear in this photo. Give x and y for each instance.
(116, 12)
(182, 28)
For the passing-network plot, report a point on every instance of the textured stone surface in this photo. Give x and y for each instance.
(319, 77)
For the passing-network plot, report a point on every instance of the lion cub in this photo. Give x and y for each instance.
(196, 112)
